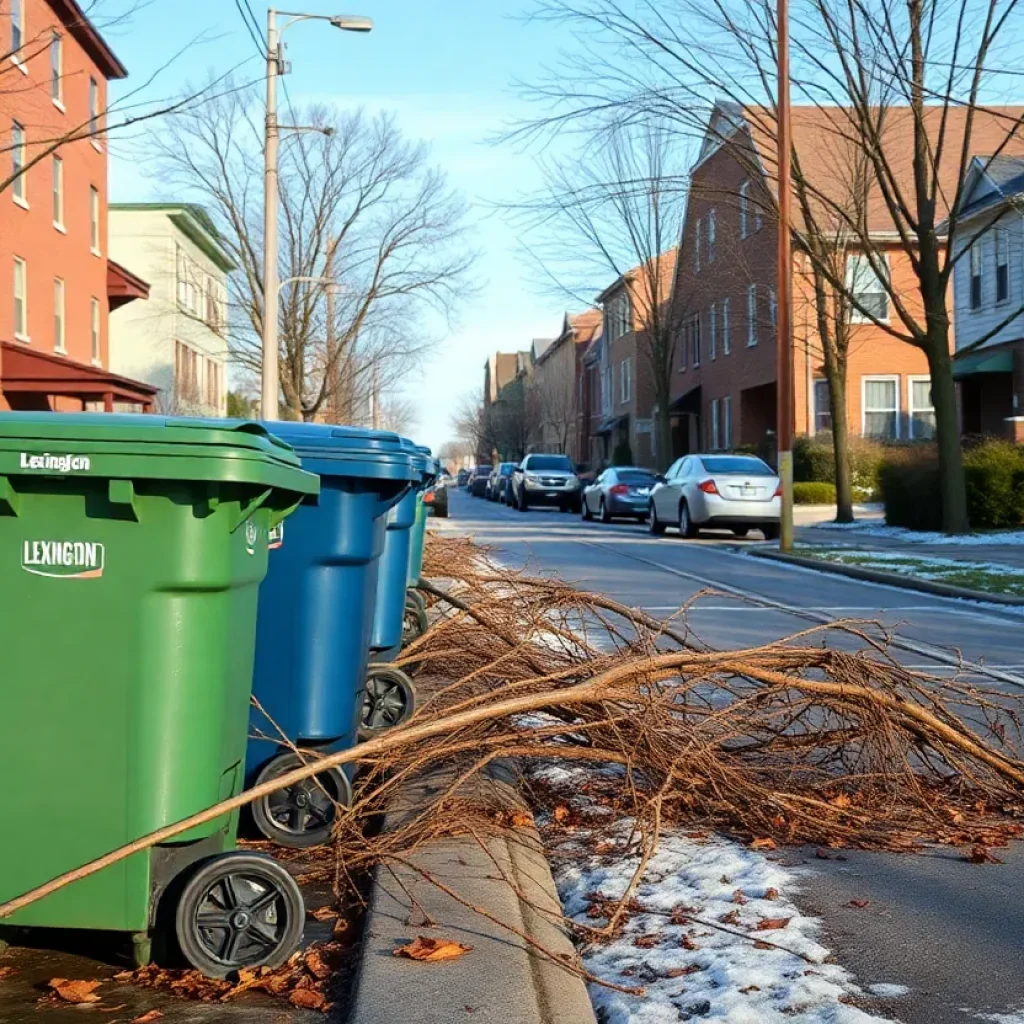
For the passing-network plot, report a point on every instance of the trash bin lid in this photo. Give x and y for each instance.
(331, 450)
(131, 445)
(415, 452)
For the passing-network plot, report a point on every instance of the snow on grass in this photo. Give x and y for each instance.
(999, 1018)
(872, 528)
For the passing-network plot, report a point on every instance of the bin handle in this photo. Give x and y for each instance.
(246, 510)
(122, 492)
(9, 497)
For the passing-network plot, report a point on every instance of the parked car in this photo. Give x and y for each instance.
(477, 485)
(498, 480)
(463, 478)
(545, 480)
(436, 499)
(733, 492)
(620, 491)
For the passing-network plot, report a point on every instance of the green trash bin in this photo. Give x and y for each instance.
(132, 552)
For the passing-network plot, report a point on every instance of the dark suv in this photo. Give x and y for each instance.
(478, 481)
(497, 483)
(545, 480)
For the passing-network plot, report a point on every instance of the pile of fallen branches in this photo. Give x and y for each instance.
(821, 737)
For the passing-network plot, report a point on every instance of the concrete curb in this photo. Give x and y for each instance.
(890, 579)
(503, 980)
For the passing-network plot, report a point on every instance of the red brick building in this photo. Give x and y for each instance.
(57, 285)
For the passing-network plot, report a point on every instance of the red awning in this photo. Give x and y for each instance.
(123, 286)
(25, 371)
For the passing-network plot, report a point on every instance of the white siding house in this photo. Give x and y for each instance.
(178, 340)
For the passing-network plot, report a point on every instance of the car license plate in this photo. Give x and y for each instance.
(642, 492)
(747, 490)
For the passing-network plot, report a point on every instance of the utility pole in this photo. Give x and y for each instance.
(332, 355)
(784, 326)
(271, 384)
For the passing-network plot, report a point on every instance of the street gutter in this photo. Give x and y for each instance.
(891, 579)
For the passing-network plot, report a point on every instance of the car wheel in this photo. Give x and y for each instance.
(687, 528)
(521, 504)
(771, 531)
(740, 531)
(605, 514)
(585, 511)
(654, 524)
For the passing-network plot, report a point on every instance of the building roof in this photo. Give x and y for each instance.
(638, 280)
(82, 29)
(992, 181)
(194, 223)
(585, 326)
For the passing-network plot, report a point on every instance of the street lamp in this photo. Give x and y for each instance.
(271, 290)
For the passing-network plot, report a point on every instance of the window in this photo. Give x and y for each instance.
(695, 340)
(752, 316)
(715, 436)
(922, 411)
(617, 315)
(773, 308)
(57, 69)
(976, 274)
(712, 332)
(58, 315)
(867, 289)
(726, 337)
(1002, 247)
(180, 275)
(94, 108)
(18, 187)
(186, 373)
(711, 236)
(94, 219)
(758, 219)
(744, 206)
(698, 244)
(58, 192)
(17, 26)
(822, 407)
(94, 328)
(881, 405)
(212, 396)
(727, 422)
(626, 379)
(20, 300)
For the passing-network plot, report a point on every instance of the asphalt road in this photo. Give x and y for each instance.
(950, 931)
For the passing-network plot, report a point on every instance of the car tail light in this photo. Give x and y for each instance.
(619, 489)
(778, 490)
(428, 497)
(707, 486)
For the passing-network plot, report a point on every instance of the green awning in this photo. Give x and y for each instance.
(998, 361)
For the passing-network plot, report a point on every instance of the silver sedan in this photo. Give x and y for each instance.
(619, 491)
(732, 492)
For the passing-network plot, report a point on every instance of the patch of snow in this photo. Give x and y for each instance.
(921, 563)
(999, 1018)
(888, 990)
(871, 528)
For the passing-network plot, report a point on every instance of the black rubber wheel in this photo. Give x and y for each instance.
(239, 910)
(414, 621)
(585, 511)
(770, 532)
(687, 528)
(606, 516)
(740, 531)
(521, 503)
(654, 524)
(304, 814)
(389, 700)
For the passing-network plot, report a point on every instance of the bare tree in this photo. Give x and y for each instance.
(397, 413)
(906, 85)
(551, 401)
(360, 207)
(615, 208)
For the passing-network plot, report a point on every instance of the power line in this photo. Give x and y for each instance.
(251, 25)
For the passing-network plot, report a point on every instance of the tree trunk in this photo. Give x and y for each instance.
(952, 483)
(841, 443)
(663, 436)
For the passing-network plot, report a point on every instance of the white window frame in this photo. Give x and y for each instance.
(626, 379)
(856, 316)
(19, 146)
(17, 18)
(21, 277)
(727, 422)
(976, 265)
(59, 319)
(711, 235)
(94, 221)
(57, 166)
(57, 70)
(94, 113)
(713, 332)
(726, 336)
(773, 308)
(864, 410)
(1001, 251)
(715, 434)
(695, 340)
(744, 208)
(94, 331)
(758, 217)
(752, 324)
(815, 411)
(911, 408)
(697, 246)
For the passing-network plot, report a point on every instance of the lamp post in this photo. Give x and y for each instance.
(272, 131)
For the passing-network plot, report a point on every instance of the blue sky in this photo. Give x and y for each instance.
(447, 70)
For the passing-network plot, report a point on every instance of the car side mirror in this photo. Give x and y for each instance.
(659, 479)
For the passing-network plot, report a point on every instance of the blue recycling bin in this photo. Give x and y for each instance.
(419, 529)
(315, 619)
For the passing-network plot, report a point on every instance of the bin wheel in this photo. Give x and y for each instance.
(304, 814)
(414, 622)
(239, 910)
(414, 596)
(389, 701)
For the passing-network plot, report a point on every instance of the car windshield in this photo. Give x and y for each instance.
(542, 463)
(634, 476)
(741, 465)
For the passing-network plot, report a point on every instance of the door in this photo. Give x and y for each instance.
(666, 498)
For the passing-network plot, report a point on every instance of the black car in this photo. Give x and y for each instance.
(463, 478)
(477, 484)
(545, 480)
(619, 491)
(436, 499)
(497, 482)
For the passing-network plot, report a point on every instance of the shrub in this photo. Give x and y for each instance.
(814, 492)
(909, 484)
(813, 461)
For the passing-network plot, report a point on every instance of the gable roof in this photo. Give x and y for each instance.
(84, 32)
(991, 182)
(193, 222)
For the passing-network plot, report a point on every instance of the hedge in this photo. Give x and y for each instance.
(814, 462)
(814, 492)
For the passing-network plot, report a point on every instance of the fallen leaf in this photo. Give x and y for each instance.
(858, 904)
(738, 897)
(763, 844)
(423, 948)
(770, 924)
(75, 991)
(679, 972)
(8, 972)
(147, 1018)
(307, 999)
(522, 819)
(840, 801)
(758, 944)
(323, 914)
(561, 813)
(316, 965)
(733, 917)
(982, 855)
(687, 943)
(647, 941)
(771, 894)
(750, 988)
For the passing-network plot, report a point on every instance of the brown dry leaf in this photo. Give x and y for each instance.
(738, 897)
(307, 999)
(323, 914)
(521, 819)
(858, 904)
(841, 801)
(771, 894)
(750, 988)
(763, 844)
(687, 943)
(75, 991)
(8, 972)
(647, 941)
(680, 972)
(317, 966)
(148, 1017)
(427, 949)
(770, 924)
(561, 813)
(758, 944)
(982, 855)
(733, 917)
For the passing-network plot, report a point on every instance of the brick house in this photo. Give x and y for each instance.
(57, 284)
(724, 392)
